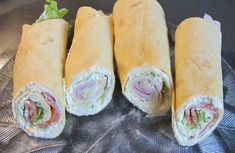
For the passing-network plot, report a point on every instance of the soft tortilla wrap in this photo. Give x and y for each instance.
(89, 67)
(198, 106)
(142, 54)
(39, 103)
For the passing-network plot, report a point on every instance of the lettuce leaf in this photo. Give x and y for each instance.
(39, 114)
(201, 115)
(201, 119)
(51, 11)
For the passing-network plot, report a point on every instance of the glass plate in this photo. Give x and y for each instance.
(120, 127)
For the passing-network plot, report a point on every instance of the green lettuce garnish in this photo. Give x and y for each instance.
(39, 114)
(51, 11)
(201, 119)
(201, 116)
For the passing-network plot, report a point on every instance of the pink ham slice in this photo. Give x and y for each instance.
(148, 93)
(32, 109)
(84, 86)
(89, 85)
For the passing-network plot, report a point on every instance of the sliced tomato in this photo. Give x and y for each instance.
(193, 116)
(33, 110)
(188, 116)
(55, 114)
(210, 107)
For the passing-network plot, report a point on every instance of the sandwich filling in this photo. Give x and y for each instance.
(35, 112)
(89, 93)
(35, 107)
(90, 88)
(196, 119)
(148, 88)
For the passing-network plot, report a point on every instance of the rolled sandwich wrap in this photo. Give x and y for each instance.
(198, 106)
(142, 54)
(39, 102)
(89, 67)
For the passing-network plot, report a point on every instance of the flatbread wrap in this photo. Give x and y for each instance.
(89, 72)
(38, 96)
(142, 55)
(198, 106)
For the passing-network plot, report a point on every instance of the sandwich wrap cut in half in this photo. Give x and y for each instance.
(142, 54)
(38, 96)
(198, 106)
(89, 67)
